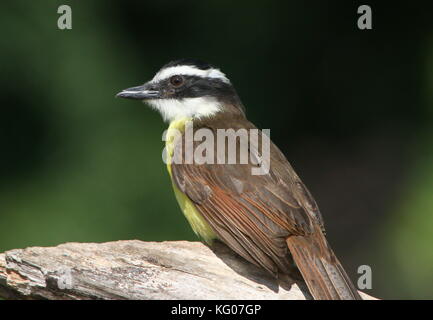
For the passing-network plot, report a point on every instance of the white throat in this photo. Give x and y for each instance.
(174, 109)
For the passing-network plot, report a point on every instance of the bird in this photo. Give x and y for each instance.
(270, 219)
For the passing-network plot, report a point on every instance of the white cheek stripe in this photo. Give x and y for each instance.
(190, 71)
(172, 109)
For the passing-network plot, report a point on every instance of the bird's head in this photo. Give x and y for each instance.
(187, 88)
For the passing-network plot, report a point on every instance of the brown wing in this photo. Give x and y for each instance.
(262, 217)
(252, 214)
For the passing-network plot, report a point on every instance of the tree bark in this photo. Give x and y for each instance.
(138, 270)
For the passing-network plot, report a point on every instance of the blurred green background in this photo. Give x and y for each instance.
(351, 109)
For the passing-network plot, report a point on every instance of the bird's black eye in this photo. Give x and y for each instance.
(176, 80)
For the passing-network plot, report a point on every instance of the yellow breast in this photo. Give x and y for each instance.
(195, 219)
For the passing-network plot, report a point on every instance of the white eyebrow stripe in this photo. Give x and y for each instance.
(190, 71)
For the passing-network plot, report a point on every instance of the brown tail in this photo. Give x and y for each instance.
(320, 268)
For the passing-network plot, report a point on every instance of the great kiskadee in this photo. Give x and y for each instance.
(268, 218)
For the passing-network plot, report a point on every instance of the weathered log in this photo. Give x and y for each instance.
(137, 270)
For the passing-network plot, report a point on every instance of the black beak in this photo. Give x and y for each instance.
(140, 93)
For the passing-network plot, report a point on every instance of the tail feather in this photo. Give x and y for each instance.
(320, 268)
